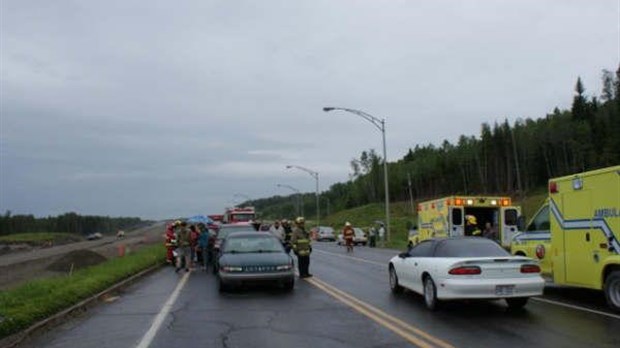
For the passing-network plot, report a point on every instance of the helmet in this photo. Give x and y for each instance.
(471, 219)
(300, 220)
(348, 224)
(177, 223)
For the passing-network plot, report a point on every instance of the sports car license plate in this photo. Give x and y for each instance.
(504, 290)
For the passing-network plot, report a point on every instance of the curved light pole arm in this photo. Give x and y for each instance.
(380, 124)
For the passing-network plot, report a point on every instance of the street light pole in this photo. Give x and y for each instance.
(300, 205)
(315, 175)
(380, 124)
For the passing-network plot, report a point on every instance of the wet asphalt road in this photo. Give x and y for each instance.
(346, 304)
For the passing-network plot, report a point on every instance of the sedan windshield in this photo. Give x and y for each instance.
(225, 231)
(258, 244)
(469, 247)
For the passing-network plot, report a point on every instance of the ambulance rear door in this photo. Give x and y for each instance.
(509, 224)
(457, 228)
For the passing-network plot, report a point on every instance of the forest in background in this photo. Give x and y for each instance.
(507, 159)
(66, 223)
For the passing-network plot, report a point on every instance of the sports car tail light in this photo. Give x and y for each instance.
(530, 269)
(465, 270)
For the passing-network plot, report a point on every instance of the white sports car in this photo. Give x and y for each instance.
(465, 268)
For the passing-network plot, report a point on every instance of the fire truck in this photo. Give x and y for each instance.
(576, 233)
(239, 214)
(445, 217)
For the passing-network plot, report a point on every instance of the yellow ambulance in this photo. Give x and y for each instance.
(576, 233)
(449, 216)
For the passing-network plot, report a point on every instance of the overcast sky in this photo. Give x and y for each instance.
(174, 108)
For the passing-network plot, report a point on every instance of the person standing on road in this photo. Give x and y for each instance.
(170, 243)
(489, 231)
(373, 237)
(277, 230)
(348, 234)
(288, 231)
(194, 234)
(205, 245)
(183, 250)
(301, 246)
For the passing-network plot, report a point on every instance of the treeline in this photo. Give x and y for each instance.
(68, 223)
(506, 159)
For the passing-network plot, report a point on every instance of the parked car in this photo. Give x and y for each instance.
(358, 238)
(254, 257)
(325, 233)
(94, 236)
(465, 268)
(223, 232)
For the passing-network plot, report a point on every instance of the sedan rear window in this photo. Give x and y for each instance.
(469, 247)
(252, 245)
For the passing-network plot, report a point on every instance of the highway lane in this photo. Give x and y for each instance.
(346, 304)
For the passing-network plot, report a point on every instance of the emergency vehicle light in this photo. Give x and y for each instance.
(470, 201)
(553, 187)
(505, 202)
(458, 201)
(493, 202)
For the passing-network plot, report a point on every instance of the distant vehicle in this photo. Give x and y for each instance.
(325, 233)
(358, 238)
(252, 258)
(94, 236)
(223, 232)
(465, 268)
(237, 214)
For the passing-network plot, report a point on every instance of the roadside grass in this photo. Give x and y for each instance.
(36, 300)
(39, 238)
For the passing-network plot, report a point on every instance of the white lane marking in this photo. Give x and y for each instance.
(149, 336)
(352, 258)
(557, 303)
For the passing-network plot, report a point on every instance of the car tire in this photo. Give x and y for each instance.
(394, 285)
(612, 290)
(430, 294)
(289, 285)
(222, 287)
(517, 302)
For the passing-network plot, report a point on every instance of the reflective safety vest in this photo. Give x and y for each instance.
(302, 247)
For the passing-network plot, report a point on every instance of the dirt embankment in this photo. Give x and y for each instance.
(18, 267)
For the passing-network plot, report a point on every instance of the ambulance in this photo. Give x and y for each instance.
(445, 217)
(576, 233)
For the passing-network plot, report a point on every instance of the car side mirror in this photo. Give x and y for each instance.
(403, 255)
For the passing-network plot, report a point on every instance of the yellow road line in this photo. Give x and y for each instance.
(406, 331)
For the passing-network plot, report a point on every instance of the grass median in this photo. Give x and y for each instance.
(36, 300)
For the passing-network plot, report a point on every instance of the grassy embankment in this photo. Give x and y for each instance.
(401, 216)
(39, 299)
(38, 238)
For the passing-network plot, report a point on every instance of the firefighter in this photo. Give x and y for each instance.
(300, 240)
(170, 243)
(348, 234)
(288, 231)
(471, 226)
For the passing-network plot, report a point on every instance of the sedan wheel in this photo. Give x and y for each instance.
(430, 294)
(396, 288)
(222, 287)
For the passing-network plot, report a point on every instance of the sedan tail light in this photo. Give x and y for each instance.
(530, 269)
(465, 270)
